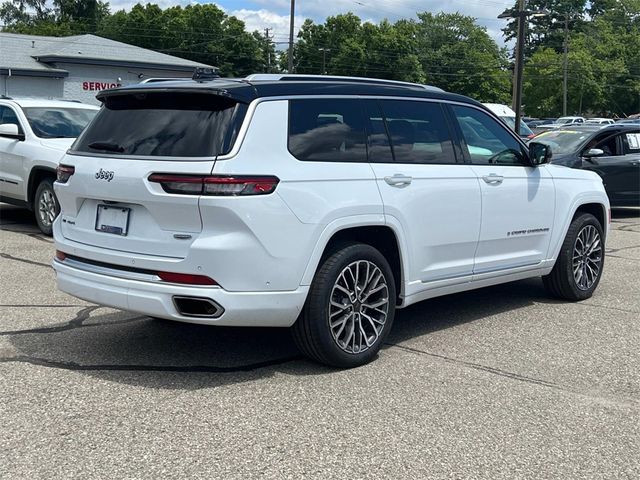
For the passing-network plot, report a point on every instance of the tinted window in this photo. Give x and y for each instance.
(418, 131)
(163, 124)
(378, 139)
(487, 141)
(7, 115)
(58, 122)
(327, 130)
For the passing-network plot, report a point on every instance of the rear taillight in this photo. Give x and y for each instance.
(186, 278)
(220, 185)
(64, 172)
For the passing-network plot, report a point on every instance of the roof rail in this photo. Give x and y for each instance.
(332, 78)
(165, 79)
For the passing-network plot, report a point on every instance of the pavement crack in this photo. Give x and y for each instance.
(615, 250)
(624, 402)
(42, 362)
(76, 322)
(477, 366)
(624, 258)
(19, 305)
(24, 260)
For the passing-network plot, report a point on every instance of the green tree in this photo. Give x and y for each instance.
(60, 18)
(459, 56)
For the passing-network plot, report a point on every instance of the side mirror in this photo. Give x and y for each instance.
(539, 153)
(10, 130)
(593, 152)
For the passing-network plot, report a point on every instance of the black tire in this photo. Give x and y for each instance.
(45, 205)
(312, 332)
(561, 282)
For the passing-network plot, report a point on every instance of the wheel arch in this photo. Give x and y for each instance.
(593, 205)
(36, 175)
(376, 233)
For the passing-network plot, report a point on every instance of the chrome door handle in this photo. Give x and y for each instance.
(492, 178)
(398, 180)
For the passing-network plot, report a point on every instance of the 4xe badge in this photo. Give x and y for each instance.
(104, 175)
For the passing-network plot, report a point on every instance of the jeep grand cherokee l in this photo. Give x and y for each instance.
(321, 204)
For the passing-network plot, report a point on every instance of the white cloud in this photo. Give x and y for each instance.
(275, 13)
(261, 19)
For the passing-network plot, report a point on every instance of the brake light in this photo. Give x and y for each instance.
(64, 172)
(186, 278)
(218, 185)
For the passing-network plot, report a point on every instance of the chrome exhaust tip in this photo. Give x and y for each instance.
(199, 307)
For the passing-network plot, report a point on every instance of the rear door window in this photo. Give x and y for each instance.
(419, 132)
(327, 130)
(163, 124)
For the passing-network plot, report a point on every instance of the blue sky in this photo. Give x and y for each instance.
(274, 14)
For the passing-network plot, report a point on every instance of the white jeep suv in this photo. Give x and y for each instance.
(321, 204)
(34, 134)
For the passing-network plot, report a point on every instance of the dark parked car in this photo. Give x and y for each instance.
(631, 121)
(612, 151)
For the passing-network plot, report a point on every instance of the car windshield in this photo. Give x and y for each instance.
(563, 120)
(58, 122)
(524, 129)
(563, 141)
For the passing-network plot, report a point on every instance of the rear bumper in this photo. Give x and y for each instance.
(246, 309)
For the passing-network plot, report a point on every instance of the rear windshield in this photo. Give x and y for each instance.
(163, 124)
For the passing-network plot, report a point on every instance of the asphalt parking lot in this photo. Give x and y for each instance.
(497, 383)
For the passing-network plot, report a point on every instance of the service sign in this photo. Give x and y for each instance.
(97, 86)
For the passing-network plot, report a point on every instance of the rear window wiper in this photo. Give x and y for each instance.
(108, 146)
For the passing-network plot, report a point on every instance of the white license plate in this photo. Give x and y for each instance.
(112, 219)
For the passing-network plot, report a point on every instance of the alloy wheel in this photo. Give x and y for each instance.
(47, 207)
(587, 257)
(358, 306)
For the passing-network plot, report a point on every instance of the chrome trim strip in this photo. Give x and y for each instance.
(111, 272)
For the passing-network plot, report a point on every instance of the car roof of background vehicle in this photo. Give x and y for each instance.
(500, 109)
(27, 102)
(596, 127)
(245, 91)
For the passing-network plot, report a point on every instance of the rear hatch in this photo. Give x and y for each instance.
(108, 200)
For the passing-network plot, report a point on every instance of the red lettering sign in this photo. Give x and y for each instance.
(97, 86)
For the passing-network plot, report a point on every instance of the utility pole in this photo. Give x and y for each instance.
(324, 59)
(564, 65)
(517, 98)
(290, 52)
(268, 39)
(521, 15)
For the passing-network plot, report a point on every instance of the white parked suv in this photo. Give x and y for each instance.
(34, 134)
(321, 204)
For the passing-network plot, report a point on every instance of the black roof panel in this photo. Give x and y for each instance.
(246, 91)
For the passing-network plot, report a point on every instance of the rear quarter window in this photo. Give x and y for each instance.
(167, 124)
(327, 130)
